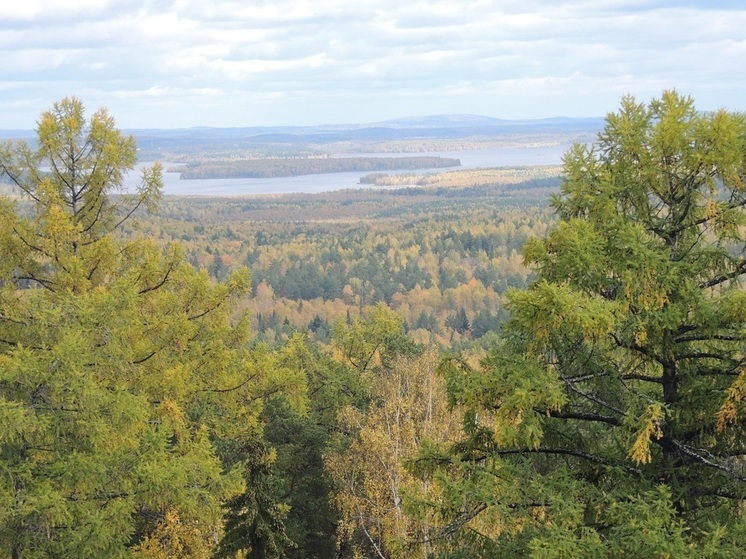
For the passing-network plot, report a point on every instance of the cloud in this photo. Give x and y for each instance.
(222, 62)
(47, 10)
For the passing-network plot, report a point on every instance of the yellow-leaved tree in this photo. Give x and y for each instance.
(120, 364)
(406, 407)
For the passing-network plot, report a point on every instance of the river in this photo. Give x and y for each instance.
(470, 159)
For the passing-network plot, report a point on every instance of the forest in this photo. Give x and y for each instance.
(294, 166)
(541, 362)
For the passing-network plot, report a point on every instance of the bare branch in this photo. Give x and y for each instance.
(699, 456)
(160, 283)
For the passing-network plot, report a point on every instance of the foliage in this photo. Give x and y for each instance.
(172, 539)
(120, 364)
(479, 180)
(609, 420)
(406, 405)
(300, 480)
(291, 167)
(255, 522)
(139, 418)
(353, 251)
(301, 438)
(370, 343)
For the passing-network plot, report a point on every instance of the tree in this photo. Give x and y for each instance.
(609, 420)
(405, 404)
(218, 269)
(373, 341)
(286, 510)
(459, 321)
(73, 206)
(408, 406)
(120, 364)
(255, 522)
(300, 442)
(484, 322)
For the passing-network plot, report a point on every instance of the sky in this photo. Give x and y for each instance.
(237, 63)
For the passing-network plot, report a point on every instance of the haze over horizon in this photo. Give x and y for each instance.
(222, 63)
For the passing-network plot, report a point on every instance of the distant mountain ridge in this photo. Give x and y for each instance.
(430, 127)
(470, 120)
(448, 126)
(408, 122)
(411, 122)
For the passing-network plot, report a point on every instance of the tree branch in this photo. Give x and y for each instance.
(160, 283)
(581, 416)
(740, 269)
(567, 452)
(646, 378)
(695, 453)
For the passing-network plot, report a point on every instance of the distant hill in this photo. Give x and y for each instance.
(479, 121)
(443, 121)
(453, 126)
(447, 121)
(294, 138)
(466, 122)
(17, 134)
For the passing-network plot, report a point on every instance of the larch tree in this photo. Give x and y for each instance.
(120, 364)
(609, 421)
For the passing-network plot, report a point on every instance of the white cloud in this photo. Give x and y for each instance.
(32, 10)
(192, 62)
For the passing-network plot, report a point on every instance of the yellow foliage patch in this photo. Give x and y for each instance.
(652, 420)
(728, 413)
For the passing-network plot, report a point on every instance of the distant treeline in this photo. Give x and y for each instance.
(269, 168)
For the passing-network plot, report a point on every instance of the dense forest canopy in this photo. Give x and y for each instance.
(482, 363)
(294, 166)
(428, 256)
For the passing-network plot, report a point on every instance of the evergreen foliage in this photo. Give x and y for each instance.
(609, 420)
(120, 364)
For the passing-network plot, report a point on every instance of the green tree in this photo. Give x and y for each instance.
(609, 420)
(287, 510)
(73, 207)
(255, 522)
(120, 364)
(370, 343)
(484, 322)
(218, 269)
(459, 321)
(301, 483)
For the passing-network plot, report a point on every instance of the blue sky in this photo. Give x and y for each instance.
(184, 63)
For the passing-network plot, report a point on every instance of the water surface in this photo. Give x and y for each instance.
(470, 159)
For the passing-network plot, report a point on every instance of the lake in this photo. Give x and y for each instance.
(309, 184)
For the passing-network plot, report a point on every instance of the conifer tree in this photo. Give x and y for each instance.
(120, 365)
(609, 421)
